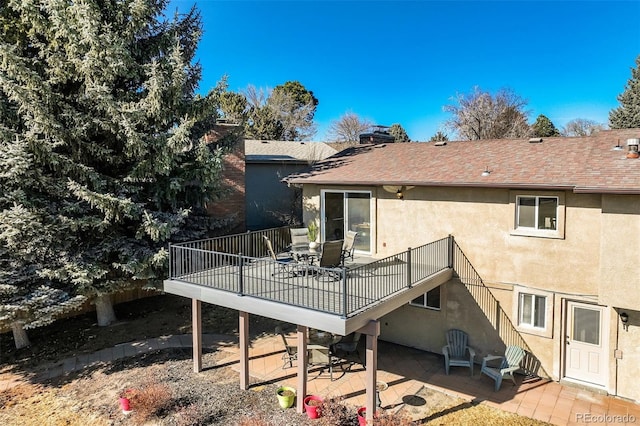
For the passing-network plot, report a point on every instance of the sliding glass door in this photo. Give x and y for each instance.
(344, 211)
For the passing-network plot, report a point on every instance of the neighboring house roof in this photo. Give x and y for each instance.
(587, 164)
(288, 151)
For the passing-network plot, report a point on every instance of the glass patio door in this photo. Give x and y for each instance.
(344, 211)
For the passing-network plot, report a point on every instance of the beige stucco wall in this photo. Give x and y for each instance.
(620, 251)
(593, 259)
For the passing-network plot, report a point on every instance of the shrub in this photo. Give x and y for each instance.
(149, 400)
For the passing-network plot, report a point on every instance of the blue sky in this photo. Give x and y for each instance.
(402, 61)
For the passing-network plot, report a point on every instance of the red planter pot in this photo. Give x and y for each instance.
(124, 404)
(312, 406)
(362, 416)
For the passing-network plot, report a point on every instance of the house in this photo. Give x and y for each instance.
(269, 203)
(549, 228)
(529, 242)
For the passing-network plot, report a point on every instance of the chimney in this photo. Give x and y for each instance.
(633, 148)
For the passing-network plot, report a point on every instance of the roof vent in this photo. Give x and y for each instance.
(535, 140)
(441, 143)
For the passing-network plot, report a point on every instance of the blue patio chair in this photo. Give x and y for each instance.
(285, 264)
(510, 363)
(457, 352)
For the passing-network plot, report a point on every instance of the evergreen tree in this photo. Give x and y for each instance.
(102, 159)
(544, 128)
(439, 137)
(627, 115)
(398, 132)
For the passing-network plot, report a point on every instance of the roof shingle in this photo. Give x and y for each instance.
(587, 164)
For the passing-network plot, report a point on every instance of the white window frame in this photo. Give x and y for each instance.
(425, 299)
(528, 327)
(537, 231)
(533, 314)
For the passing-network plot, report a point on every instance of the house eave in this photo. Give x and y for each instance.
(553, 187)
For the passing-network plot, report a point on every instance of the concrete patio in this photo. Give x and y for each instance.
(408, 370)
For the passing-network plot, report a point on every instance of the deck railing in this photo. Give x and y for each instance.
(197, 256)
(221, 263)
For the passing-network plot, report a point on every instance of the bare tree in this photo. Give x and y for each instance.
(480, 115)
(283, 113)
(295, 116)
(348, 128)
(582, 127)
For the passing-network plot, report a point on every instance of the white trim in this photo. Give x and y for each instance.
(547, 330)
(605, 319)
(534, 232)
(372, 214)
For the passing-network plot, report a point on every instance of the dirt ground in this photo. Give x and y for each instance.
(137, 320)
(168, 392)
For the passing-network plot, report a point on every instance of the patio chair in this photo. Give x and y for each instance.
(456, 350)
(510, 364)
(347, 349)
(299, 239)
(291, 351)
(330, 257)
(320, 356)
(349, 246)
(285, 265)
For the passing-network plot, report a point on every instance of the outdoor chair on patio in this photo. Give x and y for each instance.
(349, 246)
(285, 265)
(347, 349)
(291, 351)
(510, 364)
(455, 353)
(330, 258)
(299, 239)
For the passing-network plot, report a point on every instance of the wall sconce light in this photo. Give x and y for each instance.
(399, 194)
(624, 319)
(486, 172)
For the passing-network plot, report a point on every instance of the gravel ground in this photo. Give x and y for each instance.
(178, 396)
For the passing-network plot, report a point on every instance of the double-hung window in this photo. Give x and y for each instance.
(532, 310)
(430, 299)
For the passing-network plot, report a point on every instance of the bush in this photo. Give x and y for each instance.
(148, 401)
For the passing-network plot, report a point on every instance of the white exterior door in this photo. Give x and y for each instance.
(586, 346)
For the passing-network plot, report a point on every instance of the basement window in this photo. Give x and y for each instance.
(429, 300)
(533, 311)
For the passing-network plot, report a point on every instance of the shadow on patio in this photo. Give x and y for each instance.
(407, 371)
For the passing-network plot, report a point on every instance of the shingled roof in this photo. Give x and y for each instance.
(263, 150)
(586, 164)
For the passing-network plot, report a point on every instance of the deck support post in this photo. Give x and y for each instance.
(196, 334)
(372, 331)
(243, 331)
(303, 361)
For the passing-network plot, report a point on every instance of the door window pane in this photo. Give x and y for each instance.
(358, 219)
(348, 211)
(586, 325)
